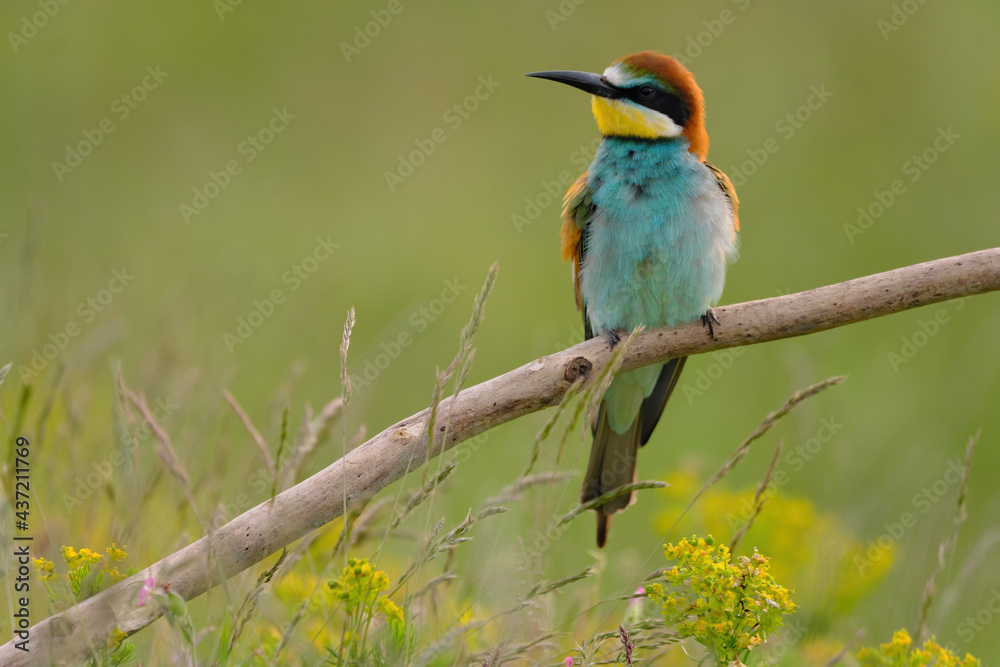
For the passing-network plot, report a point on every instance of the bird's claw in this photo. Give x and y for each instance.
(613, 338)
(707, 319)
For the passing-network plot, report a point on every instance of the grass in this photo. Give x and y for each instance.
(432, 609)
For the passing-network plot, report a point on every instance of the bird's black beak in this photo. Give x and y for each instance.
(595, 84)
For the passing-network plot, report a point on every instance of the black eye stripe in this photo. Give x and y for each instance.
(666, 103)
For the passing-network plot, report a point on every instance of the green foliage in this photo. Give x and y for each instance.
(175, 609)
(118, 651)
(728, 607)
(901, 653)
(359, 590)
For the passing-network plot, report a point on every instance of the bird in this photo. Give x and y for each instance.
(650, 229)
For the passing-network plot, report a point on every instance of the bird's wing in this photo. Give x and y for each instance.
(578, 207)
(729, 191)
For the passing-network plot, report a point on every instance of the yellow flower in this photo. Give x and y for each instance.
(69, 556)
(728, 607)
(75, 559)
(116, 638)
(392, 612)
(358, 585)
(86, 556)
(46, 569)
(116, 552)
(359, 588)
(897, 654)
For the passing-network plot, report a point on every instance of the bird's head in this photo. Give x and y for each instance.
(646, 95)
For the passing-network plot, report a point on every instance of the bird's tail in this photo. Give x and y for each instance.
(612, 465)
(613, 455)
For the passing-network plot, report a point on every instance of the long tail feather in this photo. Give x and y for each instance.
(612, 465)
(613, 455)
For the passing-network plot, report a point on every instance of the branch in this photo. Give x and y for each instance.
(263, 530)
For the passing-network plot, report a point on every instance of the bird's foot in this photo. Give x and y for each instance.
(613, 338)
(707, 319)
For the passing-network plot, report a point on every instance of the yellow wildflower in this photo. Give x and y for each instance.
(69, 555)
(86, 556)
(359, 588)
(116, 638)
(46, 569)
(897, 653)
(728, 607)
(116, 552)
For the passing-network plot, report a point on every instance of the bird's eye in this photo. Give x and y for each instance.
(647, 91)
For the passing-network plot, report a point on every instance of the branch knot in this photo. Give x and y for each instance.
(577, 368)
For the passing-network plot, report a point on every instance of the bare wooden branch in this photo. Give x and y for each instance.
(249, 538)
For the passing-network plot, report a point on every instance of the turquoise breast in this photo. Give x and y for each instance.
(660, 239)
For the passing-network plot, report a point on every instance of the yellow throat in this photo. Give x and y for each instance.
(617, 118)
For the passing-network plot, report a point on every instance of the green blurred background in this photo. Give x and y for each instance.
(353, 109)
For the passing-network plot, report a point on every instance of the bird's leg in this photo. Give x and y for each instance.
(613, 337)
(707, 319)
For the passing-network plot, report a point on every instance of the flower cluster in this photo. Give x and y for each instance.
(358, 588)
(727, 607)
(87, 571)
(83, 557)
(819, 553)
(116, 638)
(900, 653)
(46, 569)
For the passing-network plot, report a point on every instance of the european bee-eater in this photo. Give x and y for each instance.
(650, 228)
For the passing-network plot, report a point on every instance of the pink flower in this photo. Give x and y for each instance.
(146, 590)
(569, 661)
